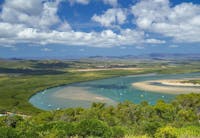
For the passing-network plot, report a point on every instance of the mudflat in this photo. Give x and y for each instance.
(81, 93)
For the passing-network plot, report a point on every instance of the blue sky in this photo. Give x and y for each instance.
(80, 28)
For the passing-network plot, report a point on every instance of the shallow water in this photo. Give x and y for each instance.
(111, 91)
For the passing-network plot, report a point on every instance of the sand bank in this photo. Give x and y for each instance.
(168, 86)
(178, 83)
(80, 93)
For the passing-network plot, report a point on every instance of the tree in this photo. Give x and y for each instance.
(165, 111)
(118, 132)
(94, 127)
(166, 132)
(8, 132)
(188, 101)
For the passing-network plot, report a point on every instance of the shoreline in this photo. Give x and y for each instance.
(116, 76)
(72, 83)
(167, 86)
(178, 83)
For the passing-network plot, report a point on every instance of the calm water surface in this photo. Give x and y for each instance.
(118, 89)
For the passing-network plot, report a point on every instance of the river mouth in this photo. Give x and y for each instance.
(110, 91)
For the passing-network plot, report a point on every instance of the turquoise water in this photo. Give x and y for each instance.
(118, 89)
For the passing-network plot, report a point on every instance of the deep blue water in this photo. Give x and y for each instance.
(118, 89)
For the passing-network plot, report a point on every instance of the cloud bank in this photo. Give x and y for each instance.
(182, 22)
(37, 22)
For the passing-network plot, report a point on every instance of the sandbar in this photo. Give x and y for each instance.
(81, 93)
(167, 86)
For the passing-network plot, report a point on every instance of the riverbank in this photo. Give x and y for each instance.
(184, 82)
(168, 86)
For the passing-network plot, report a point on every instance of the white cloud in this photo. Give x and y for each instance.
(23, 24)
(64, 27)
(84, 2)
(182, 22)
(114, 16)
(113, 3)
(8, 30)
(106, 38)
(155, 41)
(31, 13)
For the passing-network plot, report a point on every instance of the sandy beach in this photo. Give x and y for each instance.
(80, 93)
(178, 83)
(168, 86)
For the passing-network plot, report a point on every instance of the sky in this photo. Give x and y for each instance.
(82, 28)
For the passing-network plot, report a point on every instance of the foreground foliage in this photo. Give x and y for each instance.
(162, 120)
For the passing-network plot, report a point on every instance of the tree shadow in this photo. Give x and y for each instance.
(30, 71)
(50, 65)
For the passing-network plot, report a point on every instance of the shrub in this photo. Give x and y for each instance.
(166, 132)
(93, 127)
(118, 132)
(8, 132)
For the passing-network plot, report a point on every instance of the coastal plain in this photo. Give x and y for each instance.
(21, 79)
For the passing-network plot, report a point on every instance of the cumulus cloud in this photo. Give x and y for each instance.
(181, 22)
(155, 41)
(32, 13)
(64, 27)
(113, 3)
(114, 16)
(37, 22)
(84, 2)
(106, 38)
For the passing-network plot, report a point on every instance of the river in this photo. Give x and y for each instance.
(110, 91)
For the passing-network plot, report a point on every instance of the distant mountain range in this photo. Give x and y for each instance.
(152, 56)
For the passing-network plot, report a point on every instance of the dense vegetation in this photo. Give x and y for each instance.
(180, 118)
(192, 81)
(20, 79)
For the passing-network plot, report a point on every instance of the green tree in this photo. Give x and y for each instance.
(8, 132)
(165, 111)
(118, 132)
(188, 101)
(94, 127)
(166, 132)
(150, 126)
(186, 116)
